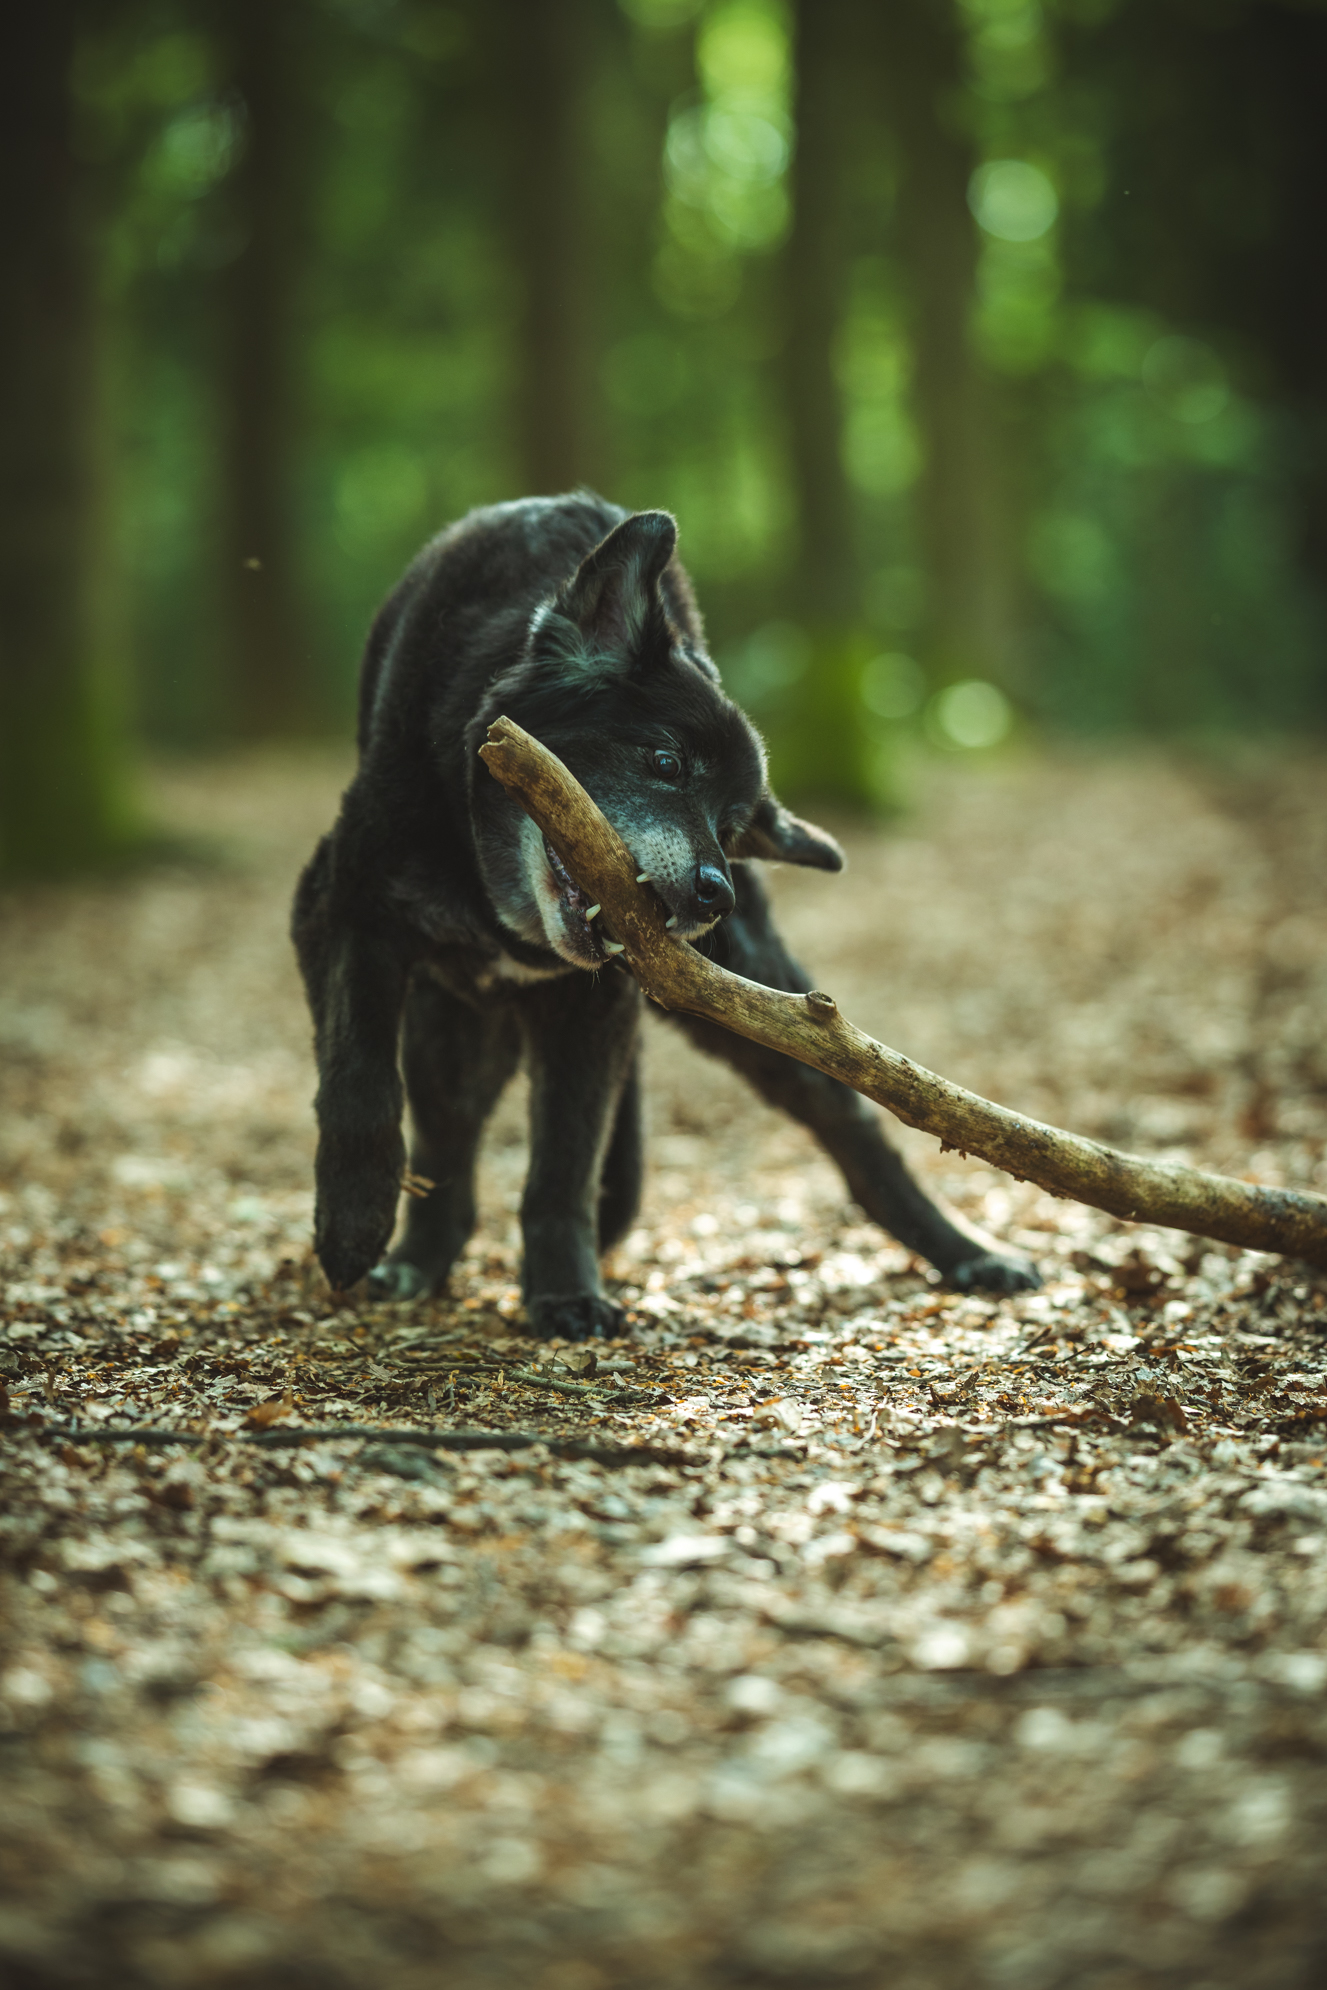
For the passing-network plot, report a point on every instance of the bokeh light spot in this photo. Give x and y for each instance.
(972, 714)
(745, 145)
(742, 51)
(196, 150)
(1013, 200)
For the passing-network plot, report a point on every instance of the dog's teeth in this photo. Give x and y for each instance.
(594, 912)
(614, 947)
(670, 923)
(642, 877)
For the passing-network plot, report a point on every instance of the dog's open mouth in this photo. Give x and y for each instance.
(576, 908)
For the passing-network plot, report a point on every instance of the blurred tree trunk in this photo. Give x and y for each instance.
(825, 585)
(1213, 212)
(1278, 61)
(540, 57)
(63, 779)
(822, 749)
(269, 687)
(918, 47)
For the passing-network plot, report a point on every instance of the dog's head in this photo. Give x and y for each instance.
(611, 682)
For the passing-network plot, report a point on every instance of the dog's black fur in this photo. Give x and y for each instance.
(440, 938)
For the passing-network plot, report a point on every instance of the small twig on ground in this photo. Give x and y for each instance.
(563, 1444)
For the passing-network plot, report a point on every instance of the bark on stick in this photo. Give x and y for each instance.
(810, 1028)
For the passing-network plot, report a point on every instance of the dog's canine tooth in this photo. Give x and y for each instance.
(643, 877)
(593, 912)
(670, 923)
(614, 947)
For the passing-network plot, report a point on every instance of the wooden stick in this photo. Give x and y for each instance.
(810, 1028)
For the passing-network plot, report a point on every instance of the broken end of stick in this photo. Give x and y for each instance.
(502, 734)
(823, 1007)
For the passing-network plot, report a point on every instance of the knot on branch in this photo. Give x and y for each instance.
(821, 1005)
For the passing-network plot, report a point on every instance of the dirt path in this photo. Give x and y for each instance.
(838, 1630)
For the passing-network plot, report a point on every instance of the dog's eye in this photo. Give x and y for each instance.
(667, 765)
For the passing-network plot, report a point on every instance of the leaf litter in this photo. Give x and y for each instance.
(827, 1628)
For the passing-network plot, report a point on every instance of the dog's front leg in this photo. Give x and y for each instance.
(355, 977)
(581, 1036)
(361, 1151)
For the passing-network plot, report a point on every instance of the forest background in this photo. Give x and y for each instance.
(980, 347)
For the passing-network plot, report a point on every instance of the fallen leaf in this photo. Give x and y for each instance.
(263, 1414)
(1166, 1412)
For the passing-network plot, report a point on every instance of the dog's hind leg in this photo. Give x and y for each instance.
(581, 1032)
(624, 1167)
(456, 1061)
(844, 1123)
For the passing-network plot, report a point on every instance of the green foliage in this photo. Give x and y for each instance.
(1150, 479)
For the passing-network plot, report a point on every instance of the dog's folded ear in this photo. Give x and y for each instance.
(781, 837)
(613, 597)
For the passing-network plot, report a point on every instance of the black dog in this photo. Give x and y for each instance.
(435, 920)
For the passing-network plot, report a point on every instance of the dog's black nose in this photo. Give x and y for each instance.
(714, 892)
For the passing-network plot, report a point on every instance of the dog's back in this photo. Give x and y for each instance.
(453, 615)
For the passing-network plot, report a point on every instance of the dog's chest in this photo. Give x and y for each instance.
(473, 975)
(470, 963)
(518, 973)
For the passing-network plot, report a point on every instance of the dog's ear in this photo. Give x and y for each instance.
(781, 837)
(613, 597)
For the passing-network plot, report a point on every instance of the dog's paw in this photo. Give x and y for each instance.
(397, 1278)
(992, 1271)
(350, 1239)
(574, 1316)
(358, 1187)
(345, 1257)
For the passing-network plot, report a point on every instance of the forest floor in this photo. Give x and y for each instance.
(837, 1630)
